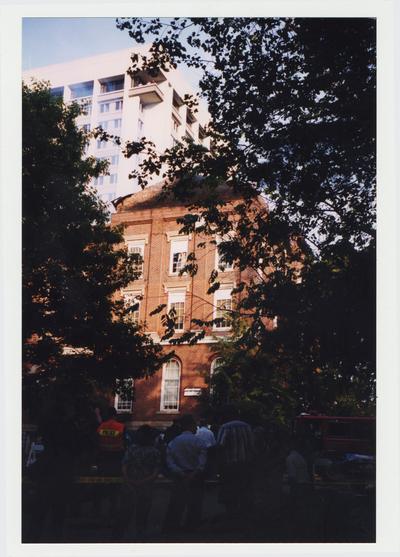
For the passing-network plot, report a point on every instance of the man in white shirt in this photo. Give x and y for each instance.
(186, 460)
(205, 434)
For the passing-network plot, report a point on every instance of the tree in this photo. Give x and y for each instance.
(76, 330)
(292, 103)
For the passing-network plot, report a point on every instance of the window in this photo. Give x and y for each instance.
(175, 125)
(100, 144)
(57, 91)
(215, 366)
(223, 307)
(86, 108)
(133, 299)
(137, 81)
(104, 107)
(86, 128)
(140, 128)
(104, 124)
(176, 302)
(170, 386)
(179, 250)
(107, 197)
(109, 85)
(118, 105)
(220, 262)
(138, 249)
(114, 160)
(99, 181)
(79, 90)
(117, 123)
(124, 398)
(113, 178)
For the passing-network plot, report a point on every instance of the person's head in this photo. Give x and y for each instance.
(145, 436)
(188, 423)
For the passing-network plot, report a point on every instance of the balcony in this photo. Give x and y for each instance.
(149, 93)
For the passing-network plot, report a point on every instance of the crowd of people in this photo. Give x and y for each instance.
(187, 453)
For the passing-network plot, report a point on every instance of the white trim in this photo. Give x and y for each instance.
(170, 410)
(178, 245)
(182, 286)
(221, 294)
(137, 244)
(175, 297)
(116, 399)
(137, 238)
(134, 295)
(175, 235)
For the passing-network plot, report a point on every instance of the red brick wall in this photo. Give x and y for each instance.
(143, 214)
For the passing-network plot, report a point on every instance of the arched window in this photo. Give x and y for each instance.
(215, 364)
(170, 386)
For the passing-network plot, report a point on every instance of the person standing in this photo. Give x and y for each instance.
(111, 443)
(235, 446)
(140, 468)
(186, 460)
(206, 435)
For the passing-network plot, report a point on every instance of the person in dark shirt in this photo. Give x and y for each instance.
(140, 468)
(236, 451)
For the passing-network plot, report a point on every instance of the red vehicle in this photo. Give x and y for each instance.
(336, 435)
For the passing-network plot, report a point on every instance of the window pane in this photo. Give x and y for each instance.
(178, 261)
(138, 250)
(170, 388)
(179, 308)
(223, 312)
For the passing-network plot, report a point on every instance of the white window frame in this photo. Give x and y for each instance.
(117, 123)
(137, 244)
(163, 389)
(178, 245)
(176, 297)
(118, 107)
(115, 161)
(104, 104)
(130, 297)
(221, 294)
(113, 178)
(126, 410)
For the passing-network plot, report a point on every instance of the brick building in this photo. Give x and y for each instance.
(150, 229)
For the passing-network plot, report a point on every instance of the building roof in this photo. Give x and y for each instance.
(160, 195)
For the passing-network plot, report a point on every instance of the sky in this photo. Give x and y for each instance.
(53, 40)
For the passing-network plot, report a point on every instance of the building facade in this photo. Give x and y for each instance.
(130, 108)
(151, 230)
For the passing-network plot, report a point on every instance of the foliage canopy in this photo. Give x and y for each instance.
(292, 104)
(76, 329)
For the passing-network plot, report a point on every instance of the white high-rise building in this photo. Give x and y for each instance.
(131, 108)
